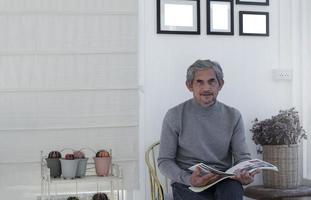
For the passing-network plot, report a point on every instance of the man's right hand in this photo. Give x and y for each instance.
(197, 180)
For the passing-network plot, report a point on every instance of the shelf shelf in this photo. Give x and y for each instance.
(88, 178)
(114, 180)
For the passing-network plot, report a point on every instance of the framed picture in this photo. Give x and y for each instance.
(220, 17)
(178, 16)
(254, 23)
(253, 2)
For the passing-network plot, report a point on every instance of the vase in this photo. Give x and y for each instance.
(55, 167)
(286, 158)
(102, 165)
(69, 168)
(81, 167)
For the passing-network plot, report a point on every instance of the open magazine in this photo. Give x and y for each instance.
(249, 165)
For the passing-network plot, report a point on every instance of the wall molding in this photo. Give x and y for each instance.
(39, 90)
(64, 52)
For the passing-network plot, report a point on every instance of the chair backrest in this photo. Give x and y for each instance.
(159, 185)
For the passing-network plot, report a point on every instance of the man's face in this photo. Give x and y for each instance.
(205, 87)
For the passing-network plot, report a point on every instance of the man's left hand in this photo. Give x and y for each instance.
(245, 177)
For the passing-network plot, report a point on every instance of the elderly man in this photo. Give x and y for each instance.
(203, 129)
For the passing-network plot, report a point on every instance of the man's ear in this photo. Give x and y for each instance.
(189, 86)
(221, 83)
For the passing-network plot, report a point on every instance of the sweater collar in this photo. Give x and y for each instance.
(202, 109)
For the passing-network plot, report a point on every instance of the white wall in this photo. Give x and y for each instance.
(163, 59)
(247, 63)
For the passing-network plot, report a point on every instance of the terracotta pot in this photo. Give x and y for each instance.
(102, 165)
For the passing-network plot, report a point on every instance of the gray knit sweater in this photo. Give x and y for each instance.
(193, 134)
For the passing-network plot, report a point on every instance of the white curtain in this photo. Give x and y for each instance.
(68, 78)
(306, 81)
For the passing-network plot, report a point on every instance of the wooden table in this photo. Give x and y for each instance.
(261, 193)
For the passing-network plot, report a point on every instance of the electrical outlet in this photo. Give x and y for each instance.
(282, 74)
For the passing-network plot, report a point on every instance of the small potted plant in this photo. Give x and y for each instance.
(72, 198)
(53, 163)
(100, 196)
(79, 155)
(102, 161)
(279, 137)
(69, 166)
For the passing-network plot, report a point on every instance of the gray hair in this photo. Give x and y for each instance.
(204, 64)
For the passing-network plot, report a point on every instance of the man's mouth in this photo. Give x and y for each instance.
(206, 94)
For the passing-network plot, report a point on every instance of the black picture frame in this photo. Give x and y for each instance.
(214, 10)
(249, 23)
(165, 19)
(253, 2)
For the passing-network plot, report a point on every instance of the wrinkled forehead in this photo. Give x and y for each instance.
(205, 74)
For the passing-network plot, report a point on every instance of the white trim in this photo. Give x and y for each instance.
(303, 77)
(68, 13)
(141, 194)
(70, 128)
(300, 62)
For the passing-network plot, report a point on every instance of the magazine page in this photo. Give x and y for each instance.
(252, 165)
(205, 169)
(249, 165)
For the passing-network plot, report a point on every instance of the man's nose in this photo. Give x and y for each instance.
(206, 87)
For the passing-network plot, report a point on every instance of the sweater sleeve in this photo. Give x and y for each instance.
(168, 149)
(238, 142)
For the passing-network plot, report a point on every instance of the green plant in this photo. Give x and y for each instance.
(100, 196)
(72, 198)
(54, 154)
(283, 128)
(69, 156)
(78, 155)
(102, 153)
